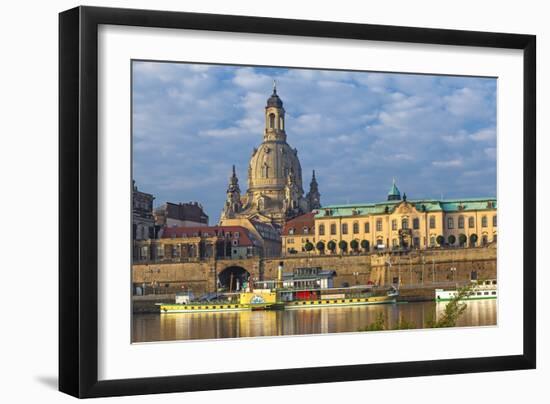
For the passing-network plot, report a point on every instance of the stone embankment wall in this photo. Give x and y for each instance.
(427, 269)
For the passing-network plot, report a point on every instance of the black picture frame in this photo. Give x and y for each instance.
(78, 195)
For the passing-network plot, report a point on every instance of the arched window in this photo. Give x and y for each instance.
(484, 221)
(471, 222)
(394, 224)
(333, 228)
(416, 223)
(272, 121)
(367, 227)
(281, 123)
(265, 170)
(344, 228)
(405, 223)
(321, 229)
(461, 222)
(450, 223)
(355, 227)
(432, 222)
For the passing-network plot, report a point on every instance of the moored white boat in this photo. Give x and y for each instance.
(482, 290)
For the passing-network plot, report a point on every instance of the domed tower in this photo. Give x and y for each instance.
(275, 190)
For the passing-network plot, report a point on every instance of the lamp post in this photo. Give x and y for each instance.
(453, 271)
(433, 269)
(423, 264)
(151, 272)
(388, 261)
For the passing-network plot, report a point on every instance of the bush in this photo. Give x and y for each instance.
(462, 239)
(331, 245)
(451, 239)
(440, 240)
(365, 245)
(354, 244)
(343, 245)
(309, 246)
(473, 239)
(320, 246)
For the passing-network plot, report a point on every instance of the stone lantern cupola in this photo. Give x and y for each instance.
(274, 117)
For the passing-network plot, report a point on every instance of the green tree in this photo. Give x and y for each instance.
(365, 245)
(453, 309)
(309, 246)
(440, 240)
(331, 246)
(320, 246)
(451, 239)
(354, 244)
(462, 239)
(473, 239)
(343, 245)
(379, 324)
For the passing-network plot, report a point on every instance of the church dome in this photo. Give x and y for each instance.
(274, 100)
(271, 165)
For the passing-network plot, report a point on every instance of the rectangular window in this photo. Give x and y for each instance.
(344, 228)
(416, 223)
(460, 222)
(379, 225)
(484, 221)
(471, 222)
(450, 223)
(355, 228)
(367, 227)
(432, 222)
(394, 224)
(321, 229)
(333, 229)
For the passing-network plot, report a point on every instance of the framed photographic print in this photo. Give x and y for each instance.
(250, 201)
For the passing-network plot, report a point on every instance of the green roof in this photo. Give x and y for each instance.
(394, 190)
(428, 205)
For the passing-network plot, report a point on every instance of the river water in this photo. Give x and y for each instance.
(186, 326)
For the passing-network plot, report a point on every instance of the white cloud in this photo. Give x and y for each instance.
(486, 134)
(448, 163)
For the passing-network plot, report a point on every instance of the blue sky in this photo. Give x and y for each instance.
(435, 134)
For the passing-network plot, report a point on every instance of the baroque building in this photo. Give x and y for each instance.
(398, 223)
(275, 193)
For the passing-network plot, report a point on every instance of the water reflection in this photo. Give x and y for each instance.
(185, 326)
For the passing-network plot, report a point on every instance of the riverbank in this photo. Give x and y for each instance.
(149, 304)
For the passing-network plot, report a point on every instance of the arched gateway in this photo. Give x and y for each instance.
(231, 278)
